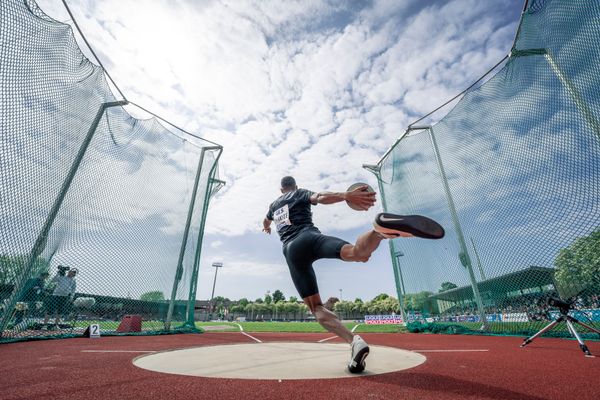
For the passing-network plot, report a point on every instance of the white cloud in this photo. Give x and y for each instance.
(309, 88)
(216, 244)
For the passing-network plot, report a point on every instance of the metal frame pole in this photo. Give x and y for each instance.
(194, 278)
(179, 268)
(481, 272)
(41, 240)
(464, 254)
(395, 263)
(568, 85)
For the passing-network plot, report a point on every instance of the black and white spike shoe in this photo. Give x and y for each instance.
(392, 226)
(359, 351)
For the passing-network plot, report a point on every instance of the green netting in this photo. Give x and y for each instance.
(84, 185)
(513, 174)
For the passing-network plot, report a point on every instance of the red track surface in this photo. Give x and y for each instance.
(545, 369)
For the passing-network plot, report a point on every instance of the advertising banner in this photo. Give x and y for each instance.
(382, 319)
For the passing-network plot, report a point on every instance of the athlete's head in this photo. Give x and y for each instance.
(288, 183)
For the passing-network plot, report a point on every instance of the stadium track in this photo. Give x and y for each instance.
(65, 369)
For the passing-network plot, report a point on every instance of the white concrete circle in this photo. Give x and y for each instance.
(276, 360)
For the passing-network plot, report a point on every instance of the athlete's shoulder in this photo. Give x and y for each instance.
(302, 191)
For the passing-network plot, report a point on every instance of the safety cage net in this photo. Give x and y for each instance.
(101, 214)
(512, 172)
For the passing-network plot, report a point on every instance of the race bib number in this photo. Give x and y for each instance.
(281, 216)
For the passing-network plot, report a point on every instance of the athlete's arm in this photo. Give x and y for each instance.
(358, 196)
(327, 197)
(267, 225)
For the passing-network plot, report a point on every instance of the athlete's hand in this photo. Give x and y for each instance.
(361, 198)
(267, 230)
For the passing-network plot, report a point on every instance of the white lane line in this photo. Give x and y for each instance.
(250, 336)
(333, 337)
(326, 339)
(448, 350)
(118, 351)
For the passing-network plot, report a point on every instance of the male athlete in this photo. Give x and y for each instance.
(303, 244)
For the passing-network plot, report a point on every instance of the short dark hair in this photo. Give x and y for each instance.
(288, 182)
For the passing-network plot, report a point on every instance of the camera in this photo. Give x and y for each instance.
(62, 269)
(558, 303)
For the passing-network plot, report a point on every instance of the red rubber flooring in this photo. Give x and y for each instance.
(545, 369)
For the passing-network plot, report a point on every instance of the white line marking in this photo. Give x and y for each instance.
(118, 351)
(333, 337)
(448, 350)
(326, 339)
(250, 336)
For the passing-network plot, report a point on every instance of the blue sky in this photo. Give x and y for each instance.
(312, 89)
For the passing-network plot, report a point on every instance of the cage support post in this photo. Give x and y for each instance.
(464, 253)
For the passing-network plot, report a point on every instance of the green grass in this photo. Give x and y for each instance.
(303, 327)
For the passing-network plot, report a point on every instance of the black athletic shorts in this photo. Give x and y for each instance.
(300, 253)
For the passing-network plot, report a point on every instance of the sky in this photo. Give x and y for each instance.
(313, 89)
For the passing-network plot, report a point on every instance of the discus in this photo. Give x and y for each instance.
(354, 186)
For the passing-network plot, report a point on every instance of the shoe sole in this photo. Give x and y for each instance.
(414, 225)
(358, 363)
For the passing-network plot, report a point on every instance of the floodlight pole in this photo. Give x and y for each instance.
(217, 265)
(375, 169)
(464, 254)
(42, 239)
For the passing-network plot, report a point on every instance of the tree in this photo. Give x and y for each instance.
(292, 308)
(330, 303)
(238, 308)
(390, 305)
(268, 299)
(578, 265)
(381, 296)
(293, 299)
(243, 302)
(447, 286)
(343, 308)
(420, 302)
(278, 296)
(259, 301)
(155, 295)
(279, 308)
(302, 310)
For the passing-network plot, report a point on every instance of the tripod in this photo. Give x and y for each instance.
(564, 308)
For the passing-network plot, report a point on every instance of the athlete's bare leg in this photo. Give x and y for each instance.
(365, 245)
(326, 318)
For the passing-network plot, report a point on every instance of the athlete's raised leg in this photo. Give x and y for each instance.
(389, 226)
(361, 251)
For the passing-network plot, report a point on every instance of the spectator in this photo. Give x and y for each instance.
(62, 295)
